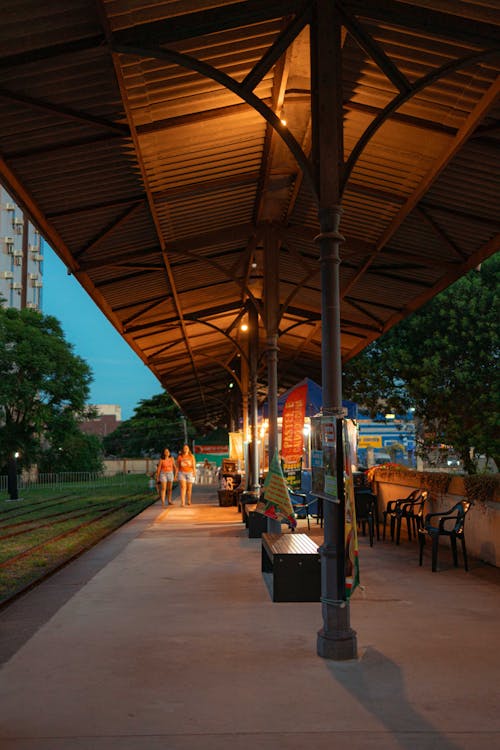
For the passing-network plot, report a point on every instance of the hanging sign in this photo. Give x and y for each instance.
(293, 474)
(292, 431)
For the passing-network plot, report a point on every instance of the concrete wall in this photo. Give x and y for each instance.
(482, 526)
(129, 466)
(148, 466)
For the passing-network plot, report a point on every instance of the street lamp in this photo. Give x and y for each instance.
(184, 425)
(12, 476)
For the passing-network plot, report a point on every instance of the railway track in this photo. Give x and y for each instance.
(27, 559)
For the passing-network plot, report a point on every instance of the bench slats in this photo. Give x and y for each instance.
(289, 544)
(292, 562)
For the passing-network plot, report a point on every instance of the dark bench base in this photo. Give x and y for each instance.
(226, 497)
(294, 564)
(256, 523)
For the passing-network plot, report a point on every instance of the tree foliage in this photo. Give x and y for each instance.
(371, 381)
(156, 424)
(41, 382)
(70, 449)
(444, 360)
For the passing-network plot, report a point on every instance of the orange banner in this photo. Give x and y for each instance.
(292, 430)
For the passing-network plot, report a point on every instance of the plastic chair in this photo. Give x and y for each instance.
(413, 512)
(366, 505)
(390, 510)
(301, 504)
(451, 523)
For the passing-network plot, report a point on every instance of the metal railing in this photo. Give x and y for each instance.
(70, 479)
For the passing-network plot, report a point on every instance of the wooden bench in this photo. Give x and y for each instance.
(293, 562)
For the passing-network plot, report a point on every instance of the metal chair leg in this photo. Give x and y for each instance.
(435, 544)
(421, 540)
(464, 552)
(453, 543)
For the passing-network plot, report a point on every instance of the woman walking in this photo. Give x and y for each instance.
(166, 472)
(186, 473)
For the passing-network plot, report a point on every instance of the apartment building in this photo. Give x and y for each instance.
(109, 417)
(21, 258)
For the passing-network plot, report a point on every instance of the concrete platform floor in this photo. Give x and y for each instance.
(164, 636)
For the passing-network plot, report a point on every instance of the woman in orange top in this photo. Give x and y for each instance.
(166, 471)
(186, 473)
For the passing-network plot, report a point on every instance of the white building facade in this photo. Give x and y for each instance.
(21, 259)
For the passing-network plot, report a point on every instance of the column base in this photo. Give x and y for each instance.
(338, 648)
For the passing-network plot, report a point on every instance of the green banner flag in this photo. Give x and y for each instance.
(277, 503)
(350, 528)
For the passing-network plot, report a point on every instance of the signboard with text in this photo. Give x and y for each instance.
(292, 430)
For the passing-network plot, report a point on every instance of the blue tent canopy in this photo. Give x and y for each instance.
(314, 400)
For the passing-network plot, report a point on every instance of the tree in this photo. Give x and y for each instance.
(444, 359)
(70, 449)
(41, 382)
(155, 425)
(371, 381)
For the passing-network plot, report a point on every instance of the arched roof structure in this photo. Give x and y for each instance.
(145, 140)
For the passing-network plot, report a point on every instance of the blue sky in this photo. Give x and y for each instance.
(120, 377)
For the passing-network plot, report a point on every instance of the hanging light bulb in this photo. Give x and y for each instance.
(283, 116)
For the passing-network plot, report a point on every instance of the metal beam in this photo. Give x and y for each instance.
(109, 229)
(52, 51)
(203, 187)
(202, 22)
(277, 49)
(491, 247)
(476, 116)
(398, 101)
(65, 112)
(76, 143)
(191, 63)
(412, 120)
(423, 19)
(195, 118)
(374, 50)
(93, 207)
(440, 233)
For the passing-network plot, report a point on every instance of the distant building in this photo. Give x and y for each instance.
(21, 259)
(108, 418)
(386, 438)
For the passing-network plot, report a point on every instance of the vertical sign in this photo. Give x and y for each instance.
(292, 431)
(350, 528)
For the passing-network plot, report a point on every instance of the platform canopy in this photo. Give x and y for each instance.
(145, 140)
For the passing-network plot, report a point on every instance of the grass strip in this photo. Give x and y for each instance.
(35, 564)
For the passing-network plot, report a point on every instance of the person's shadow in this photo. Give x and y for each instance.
(377, 683)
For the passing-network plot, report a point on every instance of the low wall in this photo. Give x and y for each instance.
(482, 527)
(148, 466)
(114, 466)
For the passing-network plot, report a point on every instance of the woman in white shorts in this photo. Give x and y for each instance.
(186, 474)
(166, 472)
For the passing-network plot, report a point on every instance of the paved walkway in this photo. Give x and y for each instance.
(164, 636)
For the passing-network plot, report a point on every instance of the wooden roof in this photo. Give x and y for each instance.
(143, 138)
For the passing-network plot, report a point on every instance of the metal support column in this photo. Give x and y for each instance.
(253, 351)
(336, 639)
(271, 316)
(244, 410)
